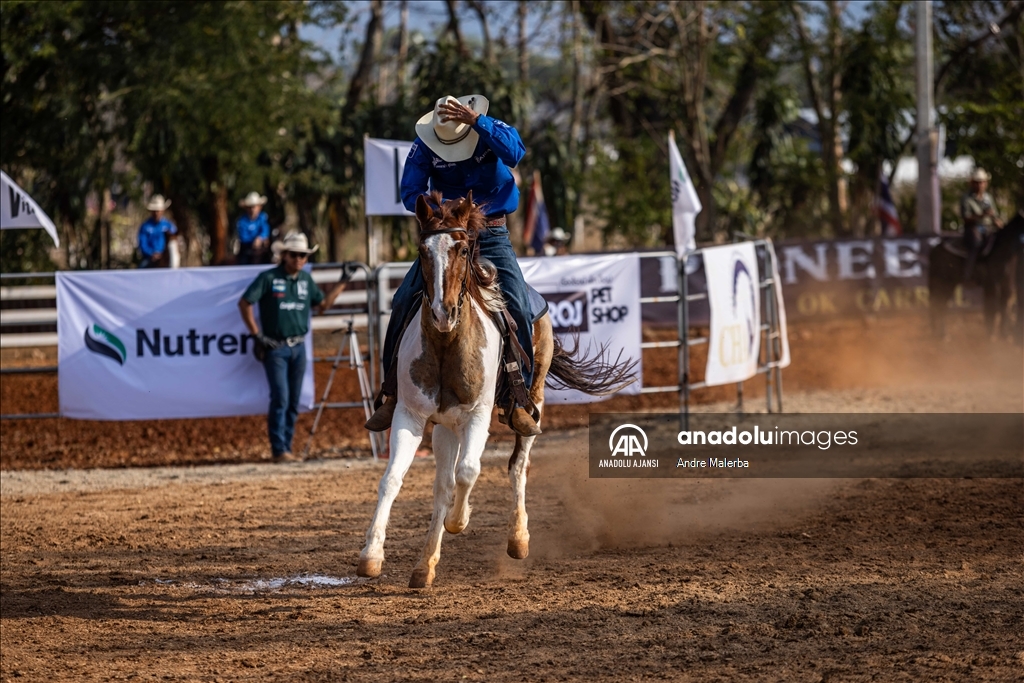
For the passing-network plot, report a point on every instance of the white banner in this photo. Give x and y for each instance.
(685, 202)
(384, 164)
(734, 297)
(18, 210)
(597, 297)
(154, 344)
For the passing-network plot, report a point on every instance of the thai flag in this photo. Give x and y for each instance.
(536, 227)
(885, 209)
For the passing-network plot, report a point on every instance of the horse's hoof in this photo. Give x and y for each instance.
(421, 578)
(369, 568)
(456, 526)
(518, 549)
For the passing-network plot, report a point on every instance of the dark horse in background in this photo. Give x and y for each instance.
(993, 271)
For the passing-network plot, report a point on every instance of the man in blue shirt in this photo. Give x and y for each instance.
(459, 149)
(253, 229)
(153, 233)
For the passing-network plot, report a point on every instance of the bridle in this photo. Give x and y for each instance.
(473, 248)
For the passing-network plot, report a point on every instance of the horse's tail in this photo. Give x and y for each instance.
(595, 375)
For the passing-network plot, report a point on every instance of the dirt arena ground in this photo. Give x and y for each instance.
(245, 571)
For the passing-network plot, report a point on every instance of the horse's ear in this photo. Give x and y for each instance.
(465, 209)
(423, 212)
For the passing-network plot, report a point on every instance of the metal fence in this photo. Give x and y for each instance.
(28, 318)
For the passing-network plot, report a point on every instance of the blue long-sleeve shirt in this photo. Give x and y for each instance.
(152, 235)
(486, 173)
(249, 229)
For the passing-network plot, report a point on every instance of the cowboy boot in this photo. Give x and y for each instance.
(520, 420)
(522, 423)
(382, 416)
(387, 399)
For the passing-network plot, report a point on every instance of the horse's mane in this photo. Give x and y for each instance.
(483, 281)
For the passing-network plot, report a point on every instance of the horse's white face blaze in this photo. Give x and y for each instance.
(437, 248)
(444, 265)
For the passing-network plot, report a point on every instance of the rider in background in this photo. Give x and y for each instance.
(253, 229)
(156, 234)
(459, 149)
(980, 218)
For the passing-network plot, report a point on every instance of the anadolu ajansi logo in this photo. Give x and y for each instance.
(105, 343)
(628, 444)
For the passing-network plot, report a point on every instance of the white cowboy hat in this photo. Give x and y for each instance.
(558, 235)
(297, 242)
(157, 203)
(452, 141)
(253, 199)
(980, 175)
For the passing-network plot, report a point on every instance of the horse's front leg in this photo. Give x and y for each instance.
(474, 436)
(446, 454)
(406, 433)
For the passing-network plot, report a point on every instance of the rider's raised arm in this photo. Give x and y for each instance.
(502, 138)
(416, 176)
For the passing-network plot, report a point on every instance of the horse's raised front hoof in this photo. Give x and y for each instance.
(421, 578)
(369, 568)
(456, 526)
(518, 549)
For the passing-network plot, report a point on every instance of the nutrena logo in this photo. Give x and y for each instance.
(105, 343)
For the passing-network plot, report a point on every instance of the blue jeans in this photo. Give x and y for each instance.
(496, 248)
(285, 368)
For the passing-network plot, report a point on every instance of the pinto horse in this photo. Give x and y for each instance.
(448, 365)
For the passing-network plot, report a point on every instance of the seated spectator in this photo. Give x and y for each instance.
(253, 230)
(557, 243)
(153, 234)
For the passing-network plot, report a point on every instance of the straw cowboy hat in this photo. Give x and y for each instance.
(451, 140)
(253, 199)
(980, 175)
(297, 242)
(158, 203)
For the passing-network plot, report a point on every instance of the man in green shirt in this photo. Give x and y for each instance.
(980, 217)
(285, 295)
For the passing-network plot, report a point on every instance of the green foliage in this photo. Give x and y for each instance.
(207, 101)
(634, 203)
(192, 96)
(878, 90)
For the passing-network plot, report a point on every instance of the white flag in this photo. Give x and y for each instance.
(685, 203)
(384, 164)
(18, 210)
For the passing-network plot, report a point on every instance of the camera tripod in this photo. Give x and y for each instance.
(355, 361)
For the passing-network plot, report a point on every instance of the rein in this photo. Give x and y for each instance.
(473, 247)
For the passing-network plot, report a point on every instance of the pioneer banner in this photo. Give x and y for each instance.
(735, 300)
(154, 344)
(857, 277)
(596, 298)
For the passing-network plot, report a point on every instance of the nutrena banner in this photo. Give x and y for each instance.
(594, 300)
(155, 344)
(735, 299)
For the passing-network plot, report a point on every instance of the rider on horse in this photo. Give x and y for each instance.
(980, 218)
(458, 150)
